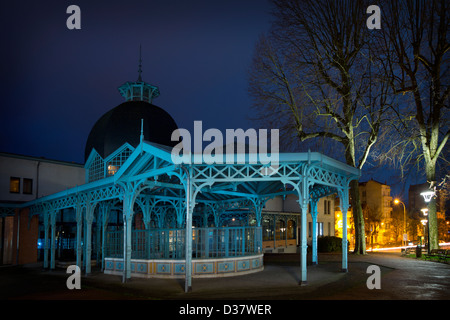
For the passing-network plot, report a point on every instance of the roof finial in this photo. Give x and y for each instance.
(140, 64)
(139, 90)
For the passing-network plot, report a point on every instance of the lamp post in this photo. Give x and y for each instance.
(427, 195)
(425, 222)
(405, 236)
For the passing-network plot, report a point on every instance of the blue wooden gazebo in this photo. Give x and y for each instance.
(195, 218)
(183, 209)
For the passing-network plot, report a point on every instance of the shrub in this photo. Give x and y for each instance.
(329, 244)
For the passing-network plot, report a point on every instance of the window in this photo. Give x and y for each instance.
(280, 230)
(27, 186)
(267, 229)
(14, 185)
(319, 229)
(112, 170)
(326, 207)
(291, 229)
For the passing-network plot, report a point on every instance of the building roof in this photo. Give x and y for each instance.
(123, 125)
(41, 159)
(364, 183)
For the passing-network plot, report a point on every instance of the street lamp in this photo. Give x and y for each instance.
(425, 222)
(427, 195)
(405, 236)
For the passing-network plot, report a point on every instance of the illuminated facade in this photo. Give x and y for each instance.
(376, 202)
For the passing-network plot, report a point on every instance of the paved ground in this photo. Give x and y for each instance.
(401, 279)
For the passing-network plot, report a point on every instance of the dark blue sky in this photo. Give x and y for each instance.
(56, 82)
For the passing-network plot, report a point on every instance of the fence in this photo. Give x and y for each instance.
(170, 243)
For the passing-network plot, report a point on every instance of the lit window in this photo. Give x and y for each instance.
(319, 229)
(112, 170)
(27, 186)
(14, 185)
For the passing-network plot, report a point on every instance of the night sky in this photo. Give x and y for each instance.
(56, 83)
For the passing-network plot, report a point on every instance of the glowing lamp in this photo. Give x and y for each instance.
(427, 195)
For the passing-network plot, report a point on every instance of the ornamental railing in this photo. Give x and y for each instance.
(170, 243)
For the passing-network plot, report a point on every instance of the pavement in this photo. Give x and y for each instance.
(401, 279)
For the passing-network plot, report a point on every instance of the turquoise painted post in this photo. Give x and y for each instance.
(344, 199)
(188, 266)
(314, 230)
(46, 226)
(105, 215)
(127, 222)
(53, 242)
(146, 214)
(98, 244)
(88, 240)
(190, 203)
(258, 234)
(127, 246)
(79, 219)
(83, 247)
(344, 239)
(88, 245)
(303, 243)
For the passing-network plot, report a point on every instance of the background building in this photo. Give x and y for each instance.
(281, 227)
(376, 202)
(381, 228)
(23, 179)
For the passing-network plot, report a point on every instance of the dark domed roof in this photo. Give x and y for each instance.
(123, 124)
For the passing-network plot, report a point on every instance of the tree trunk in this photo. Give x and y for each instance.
(430, 169)
(360, 234)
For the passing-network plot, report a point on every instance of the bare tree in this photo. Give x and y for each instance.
(314, 76)
(417, 49)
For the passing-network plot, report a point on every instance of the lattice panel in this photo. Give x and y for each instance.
(324, 176)
(246, 172)
(113, 165)
(96, 169)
